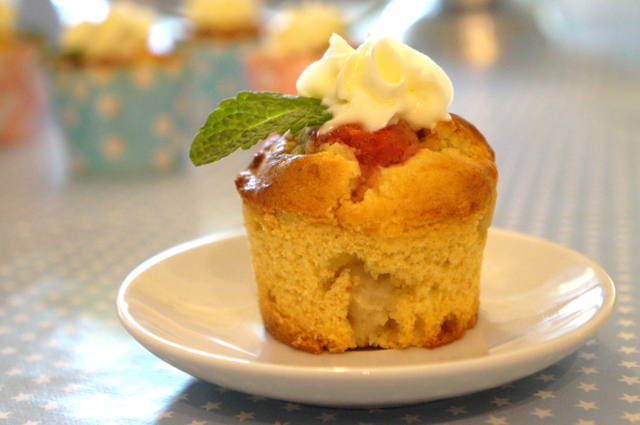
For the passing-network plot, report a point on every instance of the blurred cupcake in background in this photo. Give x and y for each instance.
(222, 32)
(119, 94)
(295, 37)
(21, 91)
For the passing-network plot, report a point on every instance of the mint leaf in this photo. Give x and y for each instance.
(250, 117)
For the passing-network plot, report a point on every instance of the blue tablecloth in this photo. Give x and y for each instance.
(565, 126)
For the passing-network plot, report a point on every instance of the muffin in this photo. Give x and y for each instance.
(121, 104)
(295, 37)
(369, 230)
(21, 81)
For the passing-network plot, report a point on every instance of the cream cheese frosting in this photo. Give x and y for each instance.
(223, 15)
(377, 84)
(122, 36)
(303, 28)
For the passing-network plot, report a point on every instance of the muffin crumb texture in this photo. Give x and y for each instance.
(348, 255)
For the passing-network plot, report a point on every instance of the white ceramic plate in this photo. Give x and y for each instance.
(194, 306)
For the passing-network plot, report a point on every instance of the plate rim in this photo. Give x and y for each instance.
(569, 341)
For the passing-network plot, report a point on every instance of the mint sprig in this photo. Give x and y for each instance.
(250, 117)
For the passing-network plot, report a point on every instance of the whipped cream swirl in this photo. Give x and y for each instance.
(223, 15)
(303, 28)
(377, 84)
(121, 37)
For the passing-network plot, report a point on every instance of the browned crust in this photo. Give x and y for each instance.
(432, 186)
(288, 331)
(452, 329)
(307, 184)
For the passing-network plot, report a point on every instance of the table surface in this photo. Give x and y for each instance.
(565, 125)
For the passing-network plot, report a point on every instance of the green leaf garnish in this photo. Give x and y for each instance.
(250, 117)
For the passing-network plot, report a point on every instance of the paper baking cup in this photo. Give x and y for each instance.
(123, 119)
(21, 92)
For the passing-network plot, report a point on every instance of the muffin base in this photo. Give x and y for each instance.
(323, 287)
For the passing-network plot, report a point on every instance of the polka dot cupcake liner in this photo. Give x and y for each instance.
(217, 73)
(123, 119)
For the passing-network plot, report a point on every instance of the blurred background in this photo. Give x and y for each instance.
(156, 74)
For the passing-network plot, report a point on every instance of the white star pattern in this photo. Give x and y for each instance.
(4, 415)
(628, 365)
(210, 406)
(410, 418)
(587, 387)
(71, 388)
(541, 413)
(21, 397)
(14, 372)
(50, 406)
(630, 380)
(631, 417)
(27, 337)
(20, 318)
(291, 406)
(588, 356)
(544, 394)
(456, 410)
(244, 415)
(499, 402)
(42, 379)
(628, 350)
(326, 417)
(630, 398)
(496, 421)
(587, 405)
(588, 370)
(627, 336)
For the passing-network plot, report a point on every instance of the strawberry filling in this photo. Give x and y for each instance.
(388, 146)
